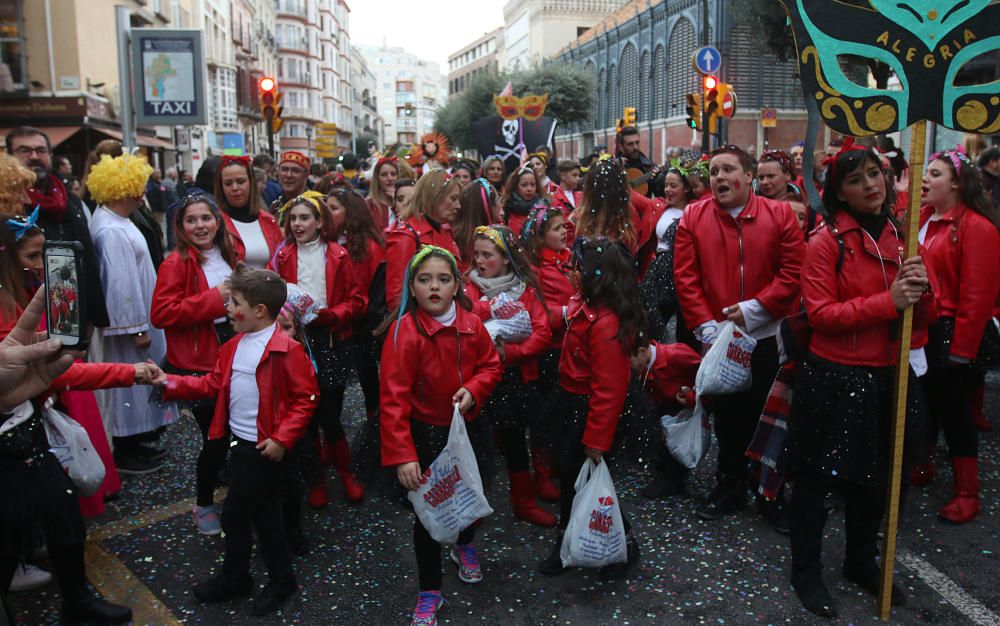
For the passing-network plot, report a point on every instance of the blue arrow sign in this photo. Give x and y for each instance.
(707, 60)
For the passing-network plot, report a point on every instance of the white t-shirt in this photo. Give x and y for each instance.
(312, 270)
(244, 396)
(217, 271)
(257, 253)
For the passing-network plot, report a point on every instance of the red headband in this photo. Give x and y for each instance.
(849, 146)
(295, 157)
(391, 160)
(228, 159)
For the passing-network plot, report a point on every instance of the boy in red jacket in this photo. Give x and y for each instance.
(265, 391)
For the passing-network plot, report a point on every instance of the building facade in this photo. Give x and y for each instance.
(482, 56)
(256, 52)
(640, 56)
(409, 92)
(367, 123)
(534, 30)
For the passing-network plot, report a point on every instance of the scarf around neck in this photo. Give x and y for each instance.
(52, 199)
(492, 287)
(519, 206)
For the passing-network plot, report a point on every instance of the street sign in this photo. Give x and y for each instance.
(728, 103)
(707, 60)
(769, 118)
(168, 76)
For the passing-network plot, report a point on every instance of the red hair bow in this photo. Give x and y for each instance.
(228, 159)
(390, 160)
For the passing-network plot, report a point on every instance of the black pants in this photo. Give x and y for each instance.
(949, 399)
(328, 412)
(863, 509)
(429, 441)
(368, 378)
(737, 414)
(513, 444)
(67, 565)
(254, 501)
(211, 458)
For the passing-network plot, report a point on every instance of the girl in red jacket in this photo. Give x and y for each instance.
(437, 353)
(523, 194)
(432, 208)
(312, 259)
(479, 206)
(189, 304)
(380, 195)
(499, 267)
(855, 286)
(959, 232)
(606, 323)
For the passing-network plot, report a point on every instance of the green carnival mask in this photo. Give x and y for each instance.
(925, 42)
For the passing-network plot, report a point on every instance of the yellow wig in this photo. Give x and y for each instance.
(15, 179)
(118, 178)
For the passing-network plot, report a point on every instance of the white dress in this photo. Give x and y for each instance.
(129, 278)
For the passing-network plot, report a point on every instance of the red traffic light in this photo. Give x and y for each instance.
(711, 82)
(267, 84)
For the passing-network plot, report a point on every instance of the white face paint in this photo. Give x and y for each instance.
(509, 130)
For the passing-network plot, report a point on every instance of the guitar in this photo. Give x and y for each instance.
(639, 181)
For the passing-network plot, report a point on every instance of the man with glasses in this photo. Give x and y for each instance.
(293, 176)
(61, 214)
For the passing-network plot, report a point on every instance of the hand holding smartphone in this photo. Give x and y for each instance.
(65, 300)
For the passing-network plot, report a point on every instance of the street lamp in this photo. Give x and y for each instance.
(309, 136)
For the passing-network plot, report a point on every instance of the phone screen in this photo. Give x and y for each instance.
(62, 286)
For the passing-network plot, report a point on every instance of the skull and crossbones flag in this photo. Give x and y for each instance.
(506, 138)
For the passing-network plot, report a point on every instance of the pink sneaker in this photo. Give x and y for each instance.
(207, 520)
(425, 613)
(468, 563)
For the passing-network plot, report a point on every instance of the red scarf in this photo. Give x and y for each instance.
(560, 258)
(52, 200)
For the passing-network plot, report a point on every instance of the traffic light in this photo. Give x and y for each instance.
(628, 116)
(270, 102)
(694, 110)
(408, 109)
(713, 102)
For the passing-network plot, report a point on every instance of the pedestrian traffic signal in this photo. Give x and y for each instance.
(628, 116)
(694, 110)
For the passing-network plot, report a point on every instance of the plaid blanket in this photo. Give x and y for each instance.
(767, 449)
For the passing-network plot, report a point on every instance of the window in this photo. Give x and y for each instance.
(224, 99)
(629, 81)
(12, 60)
(681, 80)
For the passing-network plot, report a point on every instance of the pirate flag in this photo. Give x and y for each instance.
(509, 138)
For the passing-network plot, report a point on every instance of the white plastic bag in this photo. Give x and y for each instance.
(595, 536)
(511, 321)
(72, 447)
(450, 497)
(726, 366)
(686, 436)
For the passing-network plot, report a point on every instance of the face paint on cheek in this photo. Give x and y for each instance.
(239, 317)
(738, 185)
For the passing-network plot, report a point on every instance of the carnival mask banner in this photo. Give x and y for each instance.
(508, 138)
(925, 42)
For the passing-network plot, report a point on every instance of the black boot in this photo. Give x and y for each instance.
(274, 594)
(95, 610)
(617, 570)
(552, 565)
(868, 576)
(80, 605)
(222, 588)
(774, 512)
(813, 594)
(728, 497)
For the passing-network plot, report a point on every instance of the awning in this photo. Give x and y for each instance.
(143, 140)
(57, 134)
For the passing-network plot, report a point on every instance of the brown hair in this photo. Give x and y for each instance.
(375, 190)
(321, 213)
(605, 210)
(12, 291)
(359, 226)
(255, 204)
(432, 188)
(259, 287)
(222, 239)
(472, 214)
(510, 187)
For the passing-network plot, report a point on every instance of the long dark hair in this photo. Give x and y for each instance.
(844, 164)
(221, 239)
(411, 303)
(510, 187)
(608, 279)
(13, 291)
(535, 229)
(605, 210)
(255, 203)
(970, 186)
(473, 213)
(359, 227)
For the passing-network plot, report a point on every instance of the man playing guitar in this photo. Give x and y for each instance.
(644, 176)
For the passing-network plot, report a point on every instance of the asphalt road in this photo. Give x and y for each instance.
(361, 569)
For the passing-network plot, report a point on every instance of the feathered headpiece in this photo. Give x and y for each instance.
(432, 147)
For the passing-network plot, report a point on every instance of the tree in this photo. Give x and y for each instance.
(570, 90)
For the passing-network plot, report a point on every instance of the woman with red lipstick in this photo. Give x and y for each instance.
(960, 232)
(255, 233)
(312, 259)
(189, 304)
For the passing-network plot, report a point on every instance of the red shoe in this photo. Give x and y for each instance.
(318, 497)
(353, 490)
(983, 424)
(923, 474)
(964, 506)
(522, 496)
(544, 487)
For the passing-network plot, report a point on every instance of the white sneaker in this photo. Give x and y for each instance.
(27, 577)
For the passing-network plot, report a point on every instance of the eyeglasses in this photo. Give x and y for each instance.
(28, 150)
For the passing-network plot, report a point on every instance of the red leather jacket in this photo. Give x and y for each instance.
(379, 212)
(365, 268)
(650, 210)
(423, 367)
(556, 288)
(186, 309)
(524, 354)
(675, 366)
(963, 250)
(286, 382)
(268, 225)
(594, 364)
(720, 260)
(851, 311)
(401, 245)
(560, 200)
(346, 299)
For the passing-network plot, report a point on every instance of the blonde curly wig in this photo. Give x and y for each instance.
(118, 178)
(15, 179)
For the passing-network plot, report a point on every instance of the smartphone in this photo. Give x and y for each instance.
(65, 300)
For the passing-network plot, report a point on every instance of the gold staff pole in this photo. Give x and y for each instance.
(917, 143)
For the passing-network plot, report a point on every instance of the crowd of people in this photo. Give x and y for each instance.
(539, 298)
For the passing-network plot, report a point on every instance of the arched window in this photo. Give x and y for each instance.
(644, 106)
(681, 80)
(600, 121)
(630, 79)
(614, 97)
(595, 111)
(659, 76)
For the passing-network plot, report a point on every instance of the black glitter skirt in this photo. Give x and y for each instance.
(513, 403)
(334, 364)
(841, 421)
(658, 294)
(39, 498)
(224, 331)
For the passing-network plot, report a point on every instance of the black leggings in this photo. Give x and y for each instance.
(328, 412)
(513, 444)
(211, 458)
(368, 378)
(949, 398)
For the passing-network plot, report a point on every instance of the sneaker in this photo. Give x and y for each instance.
(27, 577)
(136, 465)
(465, 558)
(425, 613)
(207, 520)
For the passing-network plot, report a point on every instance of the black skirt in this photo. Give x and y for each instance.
(841, 421)
(334, 364)
(513, 403)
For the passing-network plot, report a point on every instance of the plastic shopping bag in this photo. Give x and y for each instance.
(595, 536)
(726, 366)
(510, 321)
(450, 497)
(72, 447)
(686, 436)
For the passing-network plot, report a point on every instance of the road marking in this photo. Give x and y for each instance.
(118, 584)
(946, 587)
(129, 524)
